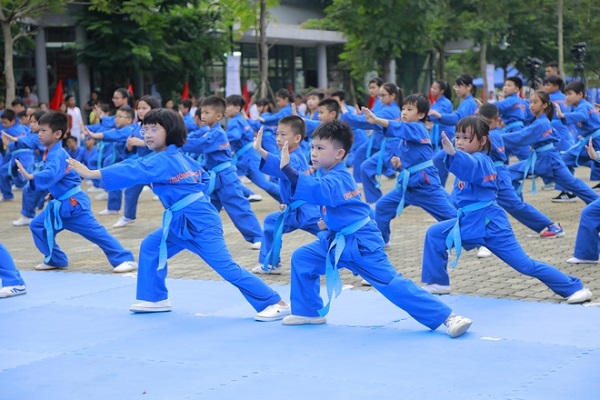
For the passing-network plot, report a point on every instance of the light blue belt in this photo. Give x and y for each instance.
(581, 143)
(332, 274)
(272, 258)
(453, 239)
(530, 165)
(53, 221)
(499, 163)
(241, 152)
(166, 224)
(515, 124)
(213, 175)
(370, 143)
(403, 178)
(381, 156)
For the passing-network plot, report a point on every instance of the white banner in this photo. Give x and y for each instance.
(233, 76)
(489, 74)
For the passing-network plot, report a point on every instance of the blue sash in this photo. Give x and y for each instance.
(515, 124)
(53, 221)
(453, 239)
(530, 165)
(272, 258)
(101, 145)
(370, 142)
(166, 223)
(402, 183)
(332, 274)
(380, 158)
(241, 152)
(580, 144)
(213, 175)
(499, 163)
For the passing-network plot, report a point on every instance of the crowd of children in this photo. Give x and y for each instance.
(299, 154)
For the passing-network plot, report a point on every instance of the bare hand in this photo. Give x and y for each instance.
(258, 143)
(434, 113)
(558, 110)
(321, 224)
(23, 171)
(8, 138)
(285, 155)
(591, 151)
(83, 170)
(447, 145)
(396, 162)
(294, 109)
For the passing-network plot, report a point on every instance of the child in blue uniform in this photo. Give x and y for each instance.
(8, 175)
(69, 207)
(480, 221)
(11, 283)
(185, 106)
(295, 214)
(189, 222)
(512, 111)
(418, 182)
(442, 93)
(349, 239)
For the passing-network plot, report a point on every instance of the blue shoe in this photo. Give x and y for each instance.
(554, 230)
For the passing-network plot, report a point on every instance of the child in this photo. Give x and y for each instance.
(312, 102)
(512, 112)
(11, 283)
(12, 127)
(480, 221)
(224, 188)
(360, 136)
(463, 86)
(189, 222)
(73, 150)
(441, 92)
(347, 226)
(185, 106)
(69, 207)
(294, 214)
(545, 160)
(418, 182)
(552, 86)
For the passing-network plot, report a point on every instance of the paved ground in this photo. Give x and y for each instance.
(483, 277)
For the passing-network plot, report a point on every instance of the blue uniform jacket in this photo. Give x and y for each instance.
(270, 166)
(585, 116)
(444, 106)
(537, 134)
(213, 145)
(239, 133)
(466, 107)
(512, 109)
(190, 124)
(118, 138)
(273, 119)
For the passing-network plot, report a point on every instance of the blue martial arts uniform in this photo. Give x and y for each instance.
(343, 212)
(8, 168)
(443, 105)
(72, 213)
(196, 227)
(587, 243)
(586, 118)
(418, 182)
(9, 274)
(481, 222)
(31, 198)
(512, 112)
(563, 131)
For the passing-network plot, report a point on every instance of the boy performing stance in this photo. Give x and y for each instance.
(349, 238)
(69, 207)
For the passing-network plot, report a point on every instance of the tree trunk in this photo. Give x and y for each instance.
(385, 69)
(9, 72)
(483, 67)
(441, 63)
(264, 51)
(561, 51)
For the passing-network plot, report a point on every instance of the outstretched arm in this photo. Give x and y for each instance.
(84, 171)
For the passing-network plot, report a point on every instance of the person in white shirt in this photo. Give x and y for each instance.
(76, 117)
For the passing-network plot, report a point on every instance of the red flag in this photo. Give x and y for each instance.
(186, 91)
(431, 98)
(130, 89)
(371, 102)
(59, 96)
(246, 96)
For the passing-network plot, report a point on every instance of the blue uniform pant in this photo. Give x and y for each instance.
(115, 198)
(308, 264)
(438, 161)
(9, 275)
(295, 220)
(30, 200)
(504, 245)
(433, 199)
(359, 144)
(587, 242)
(259, 179)
(9, 175)
(369, 176)
(210, 245)
(132, 195)
(360, 155)
(82, 222)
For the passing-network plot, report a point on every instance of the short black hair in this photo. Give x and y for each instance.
(38, 114)
(18, 102)
(516, 80)
(340, 94)
(337, 132)
(377, 80)
(296, 124)
(331, 105)
(464, 80)
(236, 100)
(217, 103)
(575, 86)
(420, 101)
(489, 111)
(284, 94)
(477, 126)
(127, 110)
(171, 121)
(317, 93)
(8, 114)
(71, 137)
(187, 103)
(57, 121)
(150, 100)
(555, 80)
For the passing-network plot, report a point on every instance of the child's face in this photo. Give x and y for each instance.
(536, 106)
(155, 137)
(462, 91)
(373, 90)
(573, 98)
(119, 100)
(231, 110)
(435, 90)
(386, 97)
(510, 88)
(7, 123)
(122, 119)
(47, 136)
(25, 120)
(410, 113)
(72, 143)
(183, 109)
(467, 142)
(17, 108)
(89, 142)
(285, 134)
(33, 125)
(142, 109)
(325, 154)
(550, 88)
(210, 116)
(312, 102)
(282, 101)
(261, 109)
(325, 115)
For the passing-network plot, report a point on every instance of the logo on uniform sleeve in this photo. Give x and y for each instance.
(461, 185)
(323, 210)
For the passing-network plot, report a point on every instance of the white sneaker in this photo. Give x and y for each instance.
(457, 325)
(245, 180)
(123, 221)
(151, 306)
(126, 266)
(274, 270)
(256, 245)
(274, 312)
(108, 212)
(102, 196)
(300, 320)
(44, 267)
(484, 252)
(575, 260)
(254, 197)
(10, 291)
(580, 296)
(2, 199)
(155, 198)
(94, 189)
(434, 288)
(23, 221)
(364, 282)
(89, 182)
(548, 186)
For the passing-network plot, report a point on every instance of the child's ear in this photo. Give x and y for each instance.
(297, 138)
(341, 153)
(421, 116)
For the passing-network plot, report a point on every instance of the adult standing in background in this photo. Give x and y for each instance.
(76, 118)
(29, 98)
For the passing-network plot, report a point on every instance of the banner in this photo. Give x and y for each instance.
(233, 85)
